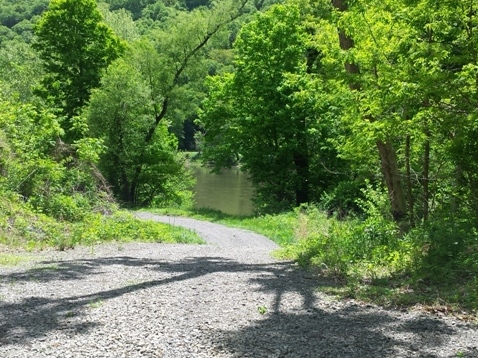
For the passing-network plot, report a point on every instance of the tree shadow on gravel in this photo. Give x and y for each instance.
(343, 330)
(338, 334)
(48, 271)
(339, 330)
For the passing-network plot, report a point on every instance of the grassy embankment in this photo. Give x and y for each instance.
(368, 260)
(22, 229)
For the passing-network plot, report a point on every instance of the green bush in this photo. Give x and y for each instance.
(342, 199)
(24, 229)
(54, 178)
(350, 247)
(21, 228)
(434, 264)
(447, 243)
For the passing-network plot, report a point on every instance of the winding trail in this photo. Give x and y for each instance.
(227, 298)
(216, 234)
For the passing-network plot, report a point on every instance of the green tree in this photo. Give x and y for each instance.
(20, 70)
(359, 77)
(443, 48)
(134, 6)
(410, 68)
(167, 67)
(121, 112)
(39, 168)
(121, 22)
(13, 12)
(272, 112)
(75, 46)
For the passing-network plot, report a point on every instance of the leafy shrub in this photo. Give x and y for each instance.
(54, 178)
(70, 208)
(344, 247)
(447, 243)
(23, 228)
(342, 199)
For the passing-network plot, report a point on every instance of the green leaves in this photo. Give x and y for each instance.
(20, 70)
(39, 167)
(266, 112)
(75, 46)
(121, 113)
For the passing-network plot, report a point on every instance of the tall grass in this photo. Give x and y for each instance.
(23, 229)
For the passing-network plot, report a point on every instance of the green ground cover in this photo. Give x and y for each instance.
(23, 229)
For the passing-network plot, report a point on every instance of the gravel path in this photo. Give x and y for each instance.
(228, 298)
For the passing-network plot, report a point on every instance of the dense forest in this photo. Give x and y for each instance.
(363, 111)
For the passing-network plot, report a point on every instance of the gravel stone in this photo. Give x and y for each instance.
(228, 298)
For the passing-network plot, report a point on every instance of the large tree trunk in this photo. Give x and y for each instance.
(386, 151)
(391, 174)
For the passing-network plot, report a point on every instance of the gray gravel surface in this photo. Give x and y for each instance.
(228, 298)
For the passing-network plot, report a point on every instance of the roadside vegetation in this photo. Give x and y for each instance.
(24, 229)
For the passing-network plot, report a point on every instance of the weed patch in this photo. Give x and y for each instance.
(22, 228)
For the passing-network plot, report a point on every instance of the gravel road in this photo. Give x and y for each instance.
(228, 298)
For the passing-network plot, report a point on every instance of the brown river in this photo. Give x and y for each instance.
(229, 192)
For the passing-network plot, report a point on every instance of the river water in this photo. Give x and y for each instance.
(229, 192)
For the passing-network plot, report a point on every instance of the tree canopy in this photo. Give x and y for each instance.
(266, 112)
(75, 47)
